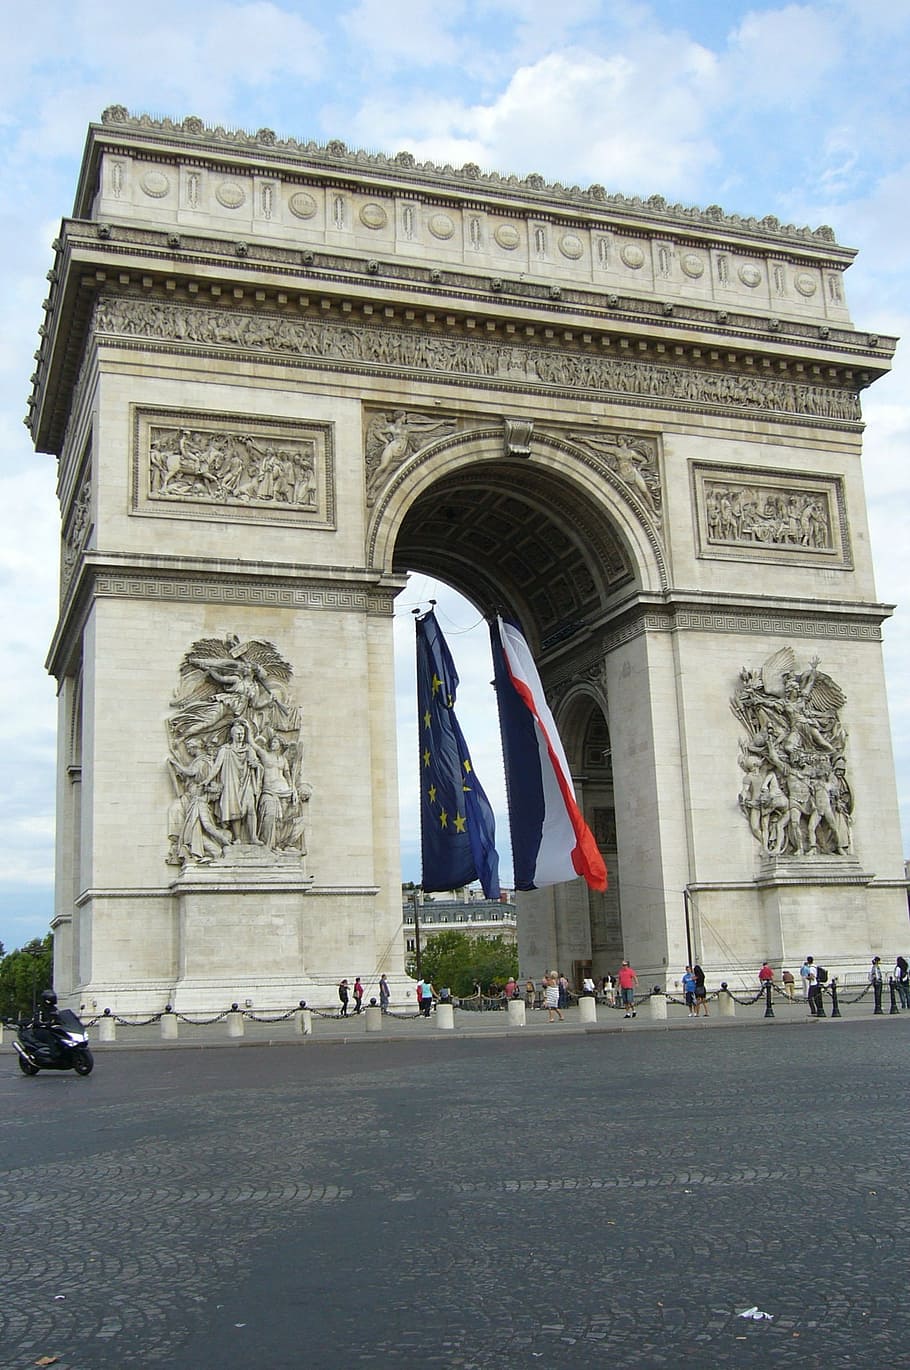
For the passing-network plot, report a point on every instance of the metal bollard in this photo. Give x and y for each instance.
(587, 1009)
(168, 1026)
(107, 1028)
(894, 1008)
(769, 1007)
(835, 1007)
(726, 1005)
(516, 1011)
(445, 1016)
(877, 996)
(235, 1023)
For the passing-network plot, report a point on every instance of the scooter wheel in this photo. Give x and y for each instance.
(26, 1066)
(83, 1061)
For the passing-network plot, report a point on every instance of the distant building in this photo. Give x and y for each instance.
(464, 910)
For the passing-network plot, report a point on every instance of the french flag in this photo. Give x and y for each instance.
(551, 841)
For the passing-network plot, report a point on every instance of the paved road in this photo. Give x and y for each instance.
(542, 1201)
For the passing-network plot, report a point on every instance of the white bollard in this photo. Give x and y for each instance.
(374, 1018)
(445, 1016)
(107, 1029)
(1, 1034)
(169, 1027)
(516, 1009)
(587, 1009)
(657, 1007)
(235, 1024)
(726, 1006)
(303, 1022)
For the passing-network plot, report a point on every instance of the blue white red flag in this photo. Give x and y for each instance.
(551, 841)
(458, 832)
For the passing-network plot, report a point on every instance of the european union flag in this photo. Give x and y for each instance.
(456, 821)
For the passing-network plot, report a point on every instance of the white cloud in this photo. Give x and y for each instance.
(404, 32)
(783, 56)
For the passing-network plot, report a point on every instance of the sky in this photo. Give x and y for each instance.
(796, 110)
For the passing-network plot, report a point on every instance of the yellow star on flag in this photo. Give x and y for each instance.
(460, 822)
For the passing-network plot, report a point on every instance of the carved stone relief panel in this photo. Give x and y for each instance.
(766, 515)
(235, 757)
(77, 522)
(391, 437)
(795, 793)
(217, 466)
(634, 458)
(489, 363)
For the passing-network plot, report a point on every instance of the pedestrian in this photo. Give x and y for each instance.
(563, 983)
(807, 975)
(902, 980)
(875, 980)
(551, 997)
(384, 994)
(628, 979)
(358, 994)
(701, 992)
(787, 978)
(427, 997)
(343, 996)
(587, 987)
(529, 993)
(511, 989)
(688, 986)
(765, 975)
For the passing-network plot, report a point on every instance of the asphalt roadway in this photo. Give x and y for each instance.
(548, 1198)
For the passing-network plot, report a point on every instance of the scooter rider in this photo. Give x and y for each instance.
(47, 1009)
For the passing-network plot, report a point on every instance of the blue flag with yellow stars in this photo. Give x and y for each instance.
(456, 821)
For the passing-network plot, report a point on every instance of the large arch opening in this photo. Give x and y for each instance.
(518, 536)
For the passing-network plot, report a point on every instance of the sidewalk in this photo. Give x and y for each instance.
(401, 1026)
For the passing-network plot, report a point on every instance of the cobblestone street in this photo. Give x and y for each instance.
(465, 1200)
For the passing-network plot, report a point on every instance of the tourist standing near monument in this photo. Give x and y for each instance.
(701, 992)
(358, 994)
(688, 986)
(343, 995)
(765, 975)
(628, 979)
(875, 980)
(807, 975)
(384, 994)
(902, 980)
(551, 997)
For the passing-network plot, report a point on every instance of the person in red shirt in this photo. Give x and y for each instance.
(766, 973)
(627, 982)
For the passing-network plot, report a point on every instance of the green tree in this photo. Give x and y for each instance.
(455, 960)
(24, 973)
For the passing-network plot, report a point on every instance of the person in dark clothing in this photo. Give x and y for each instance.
(343, 995)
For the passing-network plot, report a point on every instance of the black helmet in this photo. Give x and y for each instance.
(48, 997)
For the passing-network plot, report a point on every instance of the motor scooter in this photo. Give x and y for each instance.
(53, 1040)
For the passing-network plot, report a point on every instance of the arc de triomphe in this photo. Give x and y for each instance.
(277, 376)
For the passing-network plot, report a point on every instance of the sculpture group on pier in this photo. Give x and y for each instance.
(234, 754)
(795, 793)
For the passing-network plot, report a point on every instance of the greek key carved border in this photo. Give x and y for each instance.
(218, 590)
(761, 624)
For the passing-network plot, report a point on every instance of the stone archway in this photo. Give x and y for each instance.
(276, 376)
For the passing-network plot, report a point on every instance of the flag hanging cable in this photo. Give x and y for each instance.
(458, 832)
(551, 841)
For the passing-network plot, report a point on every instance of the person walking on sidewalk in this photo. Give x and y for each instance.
(384, 994)
(807, 975)
(358, 994)
(343, 996)
(902, 980)
(628, 979)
